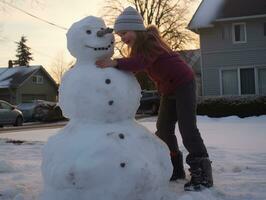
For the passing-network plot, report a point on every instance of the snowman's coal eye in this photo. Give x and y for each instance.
(88, 31)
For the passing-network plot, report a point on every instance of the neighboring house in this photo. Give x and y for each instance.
(233, 46)
(26, 83)
(192, 57)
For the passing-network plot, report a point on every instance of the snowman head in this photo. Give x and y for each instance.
(89, 40)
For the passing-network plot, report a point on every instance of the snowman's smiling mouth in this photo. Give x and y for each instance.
(100, 48)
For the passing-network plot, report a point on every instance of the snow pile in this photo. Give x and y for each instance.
(236, 146)
(6, 167)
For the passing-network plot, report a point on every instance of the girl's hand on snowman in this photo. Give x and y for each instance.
(106, 63)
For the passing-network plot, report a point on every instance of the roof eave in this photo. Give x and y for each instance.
(240, 18)
(45, 72)
(196, 29)
(193, 17)
(49, 76)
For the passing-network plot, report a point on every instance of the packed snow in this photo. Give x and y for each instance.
(102, 133)
(237, 147)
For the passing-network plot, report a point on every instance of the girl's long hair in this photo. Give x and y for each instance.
(149, 43)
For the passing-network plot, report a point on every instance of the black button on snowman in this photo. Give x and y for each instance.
(102, 153)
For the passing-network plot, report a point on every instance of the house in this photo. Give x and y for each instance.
(26, 83)
(233, 46)
(192, 57)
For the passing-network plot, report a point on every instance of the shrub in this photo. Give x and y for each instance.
(242, 106)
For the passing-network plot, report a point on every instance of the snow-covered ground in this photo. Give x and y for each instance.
(236, 146)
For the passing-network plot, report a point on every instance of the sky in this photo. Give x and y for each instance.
(236, 147)
(46, 41)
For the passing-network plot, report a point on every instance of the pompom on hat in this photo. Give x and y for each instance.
(129, 20)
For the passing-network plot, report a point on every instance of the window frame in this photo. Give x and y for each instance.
(233, 33)
(221, 80)
(239, 79)
(39, 79)
(259, 67)
(5, 106)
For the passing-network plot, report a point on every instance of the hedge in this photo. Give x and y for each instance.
(242, 106)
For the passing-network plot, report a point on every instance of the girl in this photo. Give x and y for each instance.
(176, 82)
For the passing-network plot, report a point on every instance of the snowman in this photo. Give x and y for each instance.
(102, 153)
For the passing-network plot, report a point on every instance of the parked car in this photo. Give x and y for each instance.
(40, 110)
(9, 114)
(149, 102)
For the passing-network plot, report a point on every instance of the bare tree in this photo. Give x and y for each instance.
(4, 4)
(59, 66)
(170, 16)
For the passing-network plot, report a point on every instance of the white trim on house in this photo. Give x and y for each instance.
(256, 80)
(220, 82)
(262, 66)
(255, 67)
(239, 18)
(239, 81)
(233, 33)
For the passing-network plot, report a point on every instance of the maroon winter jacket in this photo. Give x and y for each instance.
(168, 70)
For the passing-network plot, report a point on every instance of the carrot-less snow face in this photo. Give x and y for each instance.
(90, 39)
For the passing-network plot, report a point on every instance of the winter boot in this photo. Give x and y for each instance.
(201, 174)
(178, 167)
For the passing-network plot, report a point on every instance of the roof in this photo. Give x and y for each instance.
(212, 10)
(15, 76)
(2, 69)
(240, 8)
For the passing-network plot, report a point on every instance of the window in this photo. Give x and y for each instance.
(5, 106)
(229, 82)
(264, 27)
(37, 79)
(238, 81)
(262, 81)
(247, 81)
(239, 33)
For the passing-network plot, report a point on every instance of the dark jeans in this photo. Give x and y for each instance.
(181, 108)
